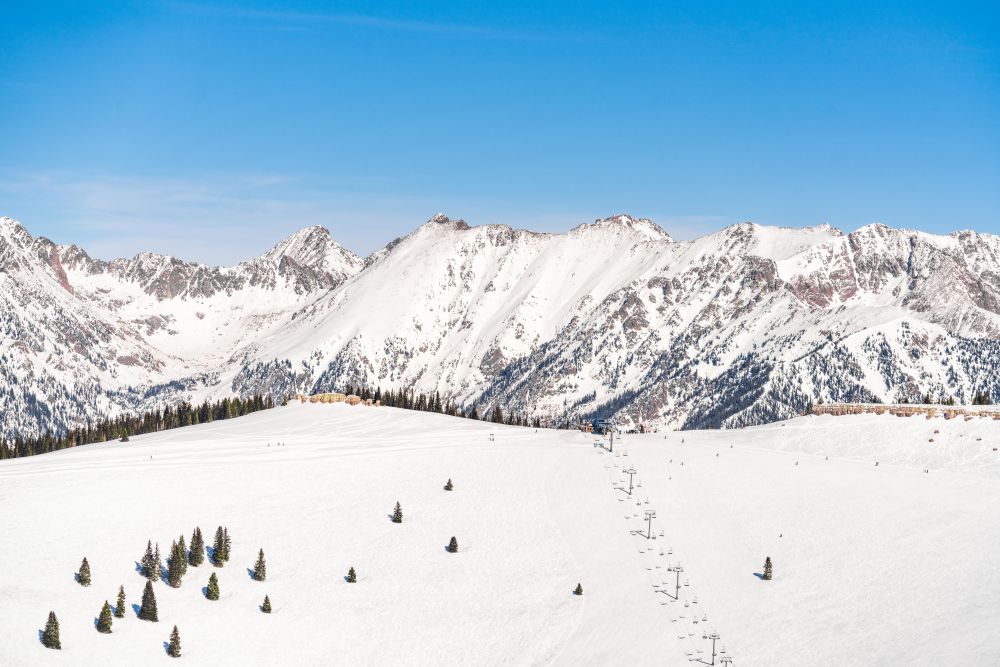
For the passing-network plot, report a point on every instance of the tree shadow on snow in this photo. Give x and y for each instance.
(759, 575)
(136, 608)
(210, 552)
(166, 647)
(250, 574)
(41, 637)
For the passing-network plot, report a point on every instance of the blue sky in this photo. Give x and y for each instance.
(210, 130)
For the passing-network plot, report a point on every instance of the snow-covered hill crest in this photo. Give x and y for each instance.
(743, 326)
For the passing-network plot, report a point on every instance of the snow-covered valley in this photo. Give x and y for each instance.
(873, 564)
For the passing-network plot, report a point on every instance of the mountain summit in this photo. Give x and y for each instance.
(746, 325)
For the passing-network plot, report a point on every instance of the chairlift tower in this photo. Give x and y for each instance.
(677, 585)
(649, 523)
(714, 637)
(726, 660)
(630, 472)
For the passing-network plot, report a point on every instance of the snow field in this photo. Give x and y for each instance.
(875, 565)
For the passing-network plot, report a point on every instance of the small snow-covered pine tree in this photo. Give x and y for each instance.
(452, 545)
(578, 590)
(157, 563)
(767, 569)
(174, 566)
(174, 647)
(266, 607)
(260, 568)
(104, 619)
(147, 564)
(212, 590)
(197, 554)
(218, 548)
(50, 636)
(120, 604)
(147, 611)
(83, 576)
(397, 514)
(182, 553)
(352, 576)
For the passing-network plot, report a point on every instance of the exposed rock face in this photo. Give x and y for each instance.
(747, 325)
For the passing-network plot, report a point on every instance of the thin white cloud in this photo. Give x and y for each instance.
(293, 17)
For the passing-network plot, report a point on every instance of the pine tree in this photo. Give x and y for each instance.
(120, 604)
(147, 611)
(266, 607)
(767, 568)
(104, 619)
(182, 554)
(578, 590)
(226, 544)
(157, 563)
(147, 564)
(352, 576)
(452, 545)
(197, 556)
(397, 514)
(212, 591)
(174, 564)
(448, 486)
(174, 648)
(260, 569)
(218, 547)
(83, 576)
(50, 636)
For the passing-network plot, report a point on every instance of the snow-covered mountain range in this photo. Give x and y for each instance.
(744, 326)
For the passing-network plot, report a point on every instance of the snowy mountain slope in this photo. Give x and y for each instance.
(744, 326)
(872, 565)
(84, 337)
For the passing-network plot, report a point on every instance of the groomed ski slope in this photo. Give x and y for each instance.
(873, 565)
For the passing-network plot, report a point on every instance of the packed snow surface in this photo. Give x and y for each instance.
(873, 565)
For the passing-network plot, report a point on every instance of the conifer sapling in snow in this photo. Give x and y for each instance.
(212, 590)
(266, 607)
(157, 563)
(260, 569)
(218, 546)
(578, 590)
(83, 576)
(452, 545)
(197, 556)
(147, 611)
(767, 569)
(147, 564)
(120, 604)
(226, 544)
(182, 554)
(174, 647)
(352, 576)
(397, 514)
(174, 564)
(448, 486)
(104, 619)
(50, 636)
